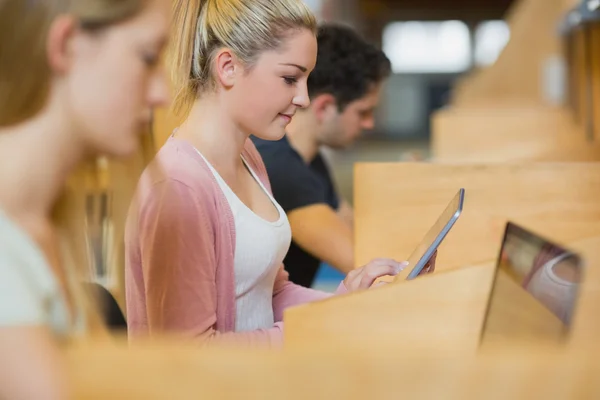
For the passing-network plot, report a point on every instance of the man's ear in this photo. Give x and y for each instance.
(226, 67)
(324, 106)
(58, 43)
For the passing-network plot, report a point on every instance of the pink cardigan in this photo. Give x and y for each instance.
(179, 250)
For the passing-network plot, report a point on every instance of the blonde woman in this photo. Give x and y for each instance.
(77, 79)
(205, 238)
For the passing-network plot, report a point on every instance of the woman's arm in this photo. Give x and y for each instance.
(32, 365)
(287, 294)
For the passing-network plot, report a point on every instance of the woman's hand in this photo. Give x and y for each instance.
(363, 277)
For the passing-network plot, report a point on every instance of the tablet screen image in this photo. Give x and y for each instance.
(548, 272)
(436, 234)
(535, 288)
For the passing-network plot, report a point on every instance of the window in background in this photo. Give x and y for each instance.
(428, 47)
(490, 39)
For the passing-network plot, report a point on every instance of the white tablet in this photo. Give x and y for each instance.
(430, 243)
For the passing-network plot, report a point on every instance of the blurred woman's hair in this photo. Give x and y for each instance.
(24, 25)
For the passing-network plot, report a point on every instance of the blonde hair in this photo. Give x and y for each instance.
(24, 26)
(247, 27)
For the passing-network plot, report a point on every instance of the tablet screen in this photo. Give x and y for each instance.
(548, 272)
(431, 241)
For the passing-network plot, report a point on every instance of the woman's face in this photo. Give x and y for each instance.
(265, 98)
(115, 79)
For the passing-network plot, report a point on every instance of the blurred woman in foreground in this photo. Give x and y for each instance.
(77, 80)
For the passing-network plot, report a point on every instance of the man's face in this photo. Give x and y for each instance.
(343, 128)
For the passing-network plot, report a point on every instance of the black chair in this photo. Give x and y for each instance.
(110, 311)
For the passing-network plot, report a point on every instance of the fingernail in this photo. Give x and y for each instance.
(401, 266)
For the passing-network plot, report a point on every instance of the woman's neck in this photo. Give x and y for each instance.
(211, 130)
(36, 158)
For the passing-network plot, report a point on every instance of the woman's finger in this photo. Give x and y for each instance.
(372, 272)
(400, 265)
(379, 284)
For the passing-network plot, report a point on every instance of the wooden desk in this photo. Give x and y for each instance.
(443, 312)
(161, 372)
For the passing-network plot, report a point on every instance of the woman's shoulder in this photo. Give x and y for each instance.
(177, 167)
(27, 282)
(178, 177)
(178, 161)
(20, 257)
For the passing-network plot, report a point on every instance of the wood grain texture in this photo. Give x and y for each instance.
(516, 315)
(516, 74)
(176, 372)
(443, 311)
(396, 203)
(496, 133)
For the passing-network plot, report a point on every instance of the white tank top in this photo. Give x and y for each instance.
(30, 294)
(260, 248)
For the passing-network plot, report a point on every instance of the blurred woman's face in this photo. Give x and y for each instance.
(115, 79)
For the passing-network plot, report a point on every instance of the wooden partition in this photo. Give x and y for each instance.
(396, 203)
(517, 74)
(586, 36)
(509, 134)
(175, 372)
(525, 107)
(451, 312)
(514, 314)
(395, 206)
(443, 312)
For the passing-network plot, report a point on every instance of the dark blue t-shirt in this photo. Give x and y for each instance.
(297, 184)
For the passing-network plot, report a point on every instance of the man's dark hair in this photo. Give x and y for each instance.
(347, 65)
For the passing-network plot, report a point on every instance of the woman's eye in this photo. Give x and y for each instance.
(150, 59)
(290, 80)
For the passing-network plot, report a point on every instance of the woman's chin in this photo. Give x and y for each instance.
(273, 135)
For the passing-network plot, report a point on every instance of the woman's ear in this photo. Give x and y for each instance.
(58, 43)
(226, 67)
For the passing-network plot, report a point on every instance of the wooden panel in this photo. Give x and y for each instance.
(516, 315)
(594, 86)
(568, 5)
(581, 65)
(501, 134)
(169, 372)
(443, 311)
(516, 75)
(396, 203)
(586, 322)
(447, 312)
(122, 180)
